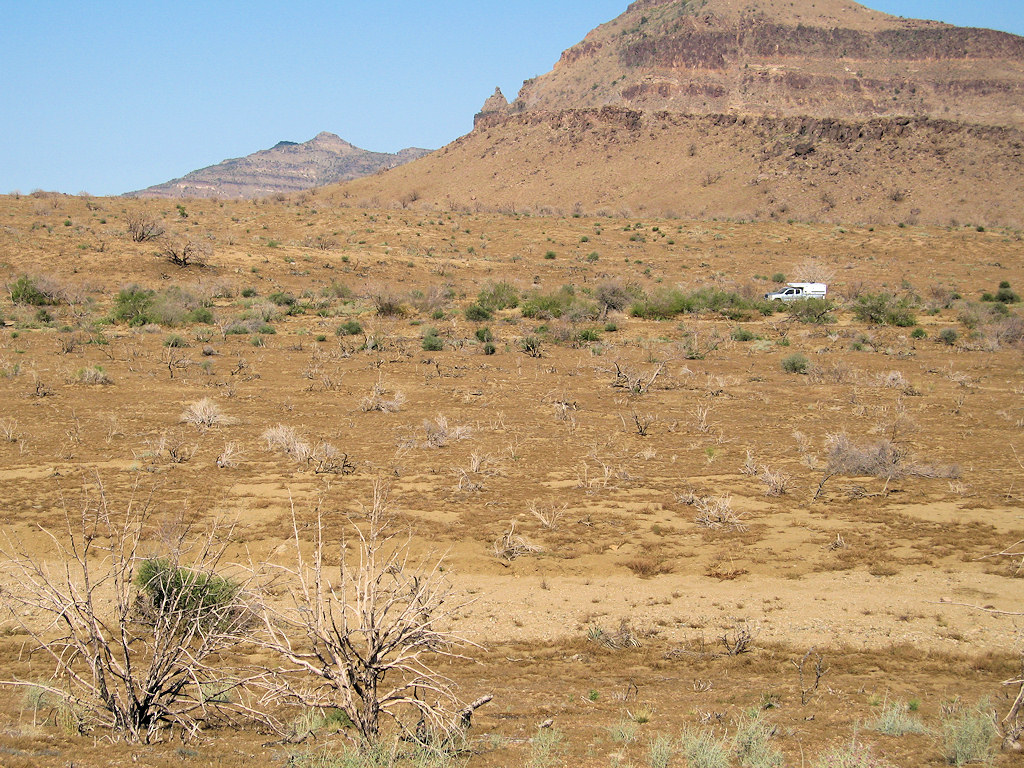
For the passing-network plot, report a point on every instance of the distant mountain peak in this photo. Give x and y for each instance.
(288, 166)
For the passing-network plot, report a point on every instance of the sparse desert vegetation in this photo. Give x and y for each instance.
(658, 520)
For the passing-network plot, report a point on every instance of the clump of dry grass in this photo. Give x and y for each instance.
(646, 567)
(94, 375)
(624, 637)
(203, 413)
(439, 433)
(286, 439)
(775, 482)
(378, 400)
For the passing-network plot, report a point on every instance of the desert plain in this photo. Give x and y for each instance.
(654, 517)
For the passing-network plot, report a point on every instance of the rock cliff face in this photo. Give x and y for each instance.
(286, 167)
(830, 58)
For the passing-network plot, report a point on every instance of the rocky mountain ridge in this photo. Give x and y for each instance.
(286, 167)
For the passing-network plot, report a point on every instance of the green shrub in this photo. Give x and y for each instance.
(167, 589)
(175, 341)
(496, 296)
(884, 309)
(752, 742)
(778, 277)
(742, 334)
(704, 750)
(550, 255)
(248, 293)
(530, 345)
(431, 343)
(489, 348)
(948, 336)
(795, 363)
(201, 315)
(811, 310)
(919, 333)
(282, 298)
(561, 303)
(132, 306)
(966, 735)
(477, 313)
(25, 290)
(349, 328)
(1005, 295)
(337, 290)
(547, 749)
(484, 334)
(895, 720)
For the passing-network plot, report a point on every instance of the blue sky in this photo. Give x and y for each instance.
(109, 96)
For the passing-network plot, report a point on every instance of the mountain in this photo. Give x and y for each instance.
(803, 109)
(286, 167)
(819, 58)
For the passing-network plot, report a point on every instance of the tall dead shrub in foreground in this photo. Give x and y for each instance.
(134, 634)
(361, 637)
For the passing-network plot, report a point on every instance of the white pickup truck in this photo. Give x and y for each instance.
(794, 291)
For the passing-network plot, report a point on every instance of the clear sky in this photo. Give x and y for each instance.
(108, 96)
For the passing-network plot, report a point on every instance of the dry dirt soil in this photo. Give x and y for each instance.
(669, 479)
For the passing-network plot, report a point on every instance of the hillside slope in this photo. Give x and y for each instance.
(615, 161)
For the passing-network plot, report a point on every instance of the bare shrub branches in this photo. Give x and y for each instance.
(715, 512)
(135, 640)
(140, 228)
(358, 636)
(635, 382)
(511, 545)
(807, 689)
(884, 459)
(184, 253)
(740, 639)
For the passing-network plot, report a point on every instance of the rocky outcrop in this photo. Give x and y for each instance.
(495, 106)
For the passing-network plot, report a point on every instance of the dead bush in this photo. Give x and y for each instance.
(141, 228)
(717, 512)
(136, 630)
(624, 637)
(511, 545)
(647, 567)
(203, 413)
(365, 637)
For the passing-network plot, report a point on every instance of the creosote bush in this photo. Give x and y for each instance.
(884, 309)
(795, 363)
